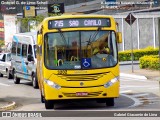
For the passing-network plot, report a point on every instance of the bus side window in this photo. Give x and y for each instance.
(40, 50)
(37, 49)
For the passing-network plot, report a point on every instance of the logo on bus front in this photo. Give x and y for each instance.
(81, 83)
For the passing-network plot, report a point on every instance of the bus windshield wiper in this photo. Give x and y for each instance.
(62, 35)
(91, 38)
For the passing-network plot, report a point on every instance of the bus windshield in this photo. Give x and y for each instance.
(80, 50)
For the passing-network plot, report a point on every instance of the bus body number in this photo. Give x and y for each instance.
(62, 72)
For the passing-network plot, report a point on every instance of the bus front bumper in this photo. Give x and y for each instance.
(51, 93)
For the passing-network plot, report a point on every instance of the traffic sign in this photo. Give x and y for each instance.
(130, 19)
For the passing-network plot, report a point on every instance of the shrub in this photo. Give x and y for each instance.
(151, 62)
(126, 55)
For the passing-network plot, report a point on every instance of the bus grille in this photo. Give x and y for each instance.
(82, 77)
(91, 94)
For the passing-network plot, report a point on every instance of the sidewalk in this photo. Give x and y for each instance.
(144, 74)
(140, 73)
(5, 105)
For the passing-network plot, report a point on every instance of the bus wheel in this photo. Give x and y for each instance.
(16, 79)
(34, 81)
(49, 104)
(42, 98)
(110, 102)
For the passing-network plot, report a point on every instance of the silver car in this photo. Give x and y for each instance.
(5, 65)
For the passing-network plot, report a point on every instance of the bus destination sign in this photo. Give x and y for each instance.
(87, 22)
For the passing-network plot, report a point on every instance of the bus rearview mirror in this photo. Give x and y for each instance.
(119, 37)
(39, 39)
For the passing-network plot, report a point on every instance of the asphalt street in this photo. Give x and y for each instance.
(135, 94)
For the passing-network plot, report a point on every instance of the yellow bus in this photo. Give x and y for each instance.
(77, 59)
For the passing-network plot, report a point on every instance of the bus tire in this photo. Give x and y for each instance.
(16, 79)
(34, 81)
(42, 98)
(49, 104)
(110, 102)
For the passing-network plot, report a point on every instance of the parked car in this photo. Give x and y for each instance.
(5, 65)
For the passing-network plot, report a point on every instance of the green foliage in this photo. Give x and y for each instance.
(151, 62)
(25, 21)
(38, 19)
(1, 43)
(126, 55)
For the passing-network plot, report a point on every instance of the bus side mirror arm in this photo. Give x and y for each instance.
(119, 37)
(39, 39)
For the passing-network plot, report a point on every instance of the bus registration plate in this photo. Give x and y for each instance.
(81, 93)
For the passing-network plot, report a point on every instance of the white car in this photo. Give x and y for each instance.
(5, 65)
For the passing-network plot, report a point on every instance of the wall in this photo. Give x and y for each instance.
(145, 31)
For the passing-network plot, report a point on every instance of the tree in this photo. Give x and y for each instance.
(24, 21)
(38, 19)
(1, 43)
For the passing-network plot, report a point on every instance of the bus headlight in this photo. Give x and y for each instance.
(52, 84)
(111, 82)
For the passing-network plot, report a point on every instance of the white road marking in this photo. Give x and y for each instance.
(10, 81)
(135, 86)
(139, 95)
(153, 88)
(132, 79)
(125, 91)
(154, 100)
(4, 84)
(137, 102)
(132, 76)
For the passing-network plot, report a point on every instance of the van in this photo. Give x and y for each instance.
(23, 53)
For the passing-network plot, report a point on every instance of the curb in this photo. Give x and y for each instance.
(129, 63)
(11, 106)
(133, 76)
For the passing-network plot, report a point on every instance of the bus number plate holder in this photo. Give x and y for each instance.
(81, 93)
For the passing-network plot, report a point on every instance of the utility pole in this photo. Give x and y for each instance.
(130, 20)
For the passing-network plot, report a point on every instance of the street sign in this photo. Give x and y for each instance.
(57, 8)
(29, 11)
(130, 19)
